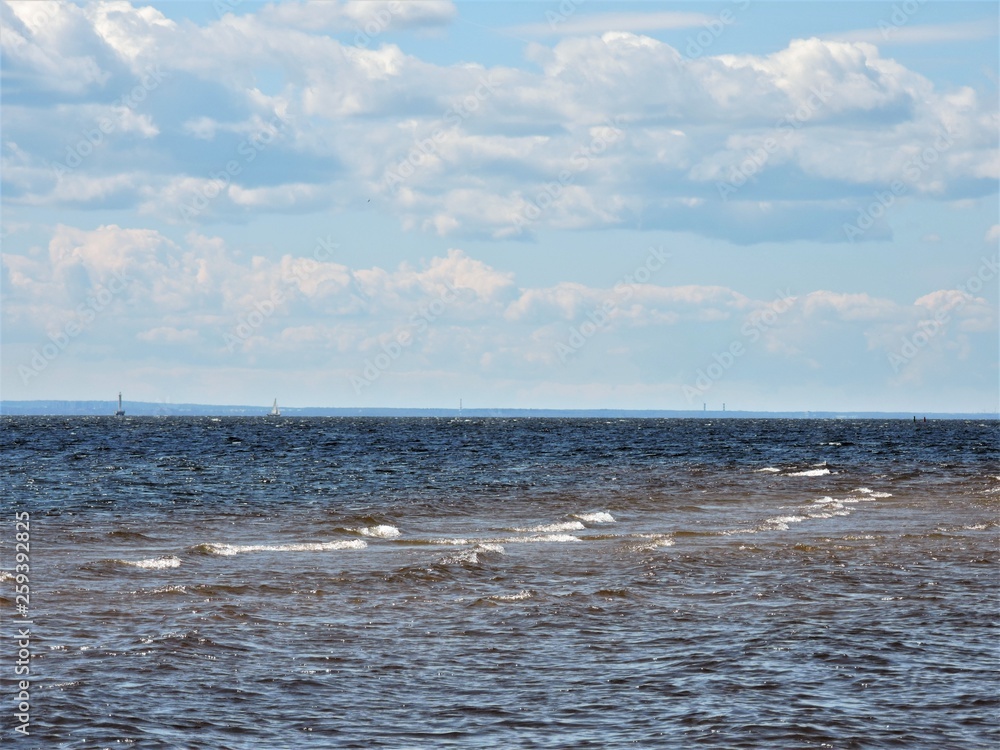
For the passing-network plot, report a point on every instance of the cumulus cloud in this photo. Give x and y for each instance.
(201, 296)
(53, 47)
(368, 17)
(599, 129)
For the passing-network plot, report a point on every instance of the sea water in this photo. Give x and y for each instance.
(502, 583)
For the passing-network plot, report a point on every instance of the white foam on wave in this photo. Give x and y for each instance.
(831, 513)
(872, 493)
(778, 523)
(554, 527)
(472, 555)
(772, 524)
(545, 538)
(5, 576)
(154, 563)
(466, 556)
(830, 507)
(380, 531)
(655, 541)
(520, 596)
(510, 540)
(228, 550)
(767, 469)
(808, 473)
(601, 516)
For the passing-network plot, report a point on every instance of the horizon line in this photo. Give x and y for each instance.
(58, 407)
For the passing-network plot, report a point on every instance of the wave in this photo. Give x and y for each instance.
(735, 532)
(830, 507)
(148, 563)
(453, 540)
(542, 538)
(841, 511)
(818, 470)
(462, 541)
(473, 555)
(655, 541)
(227, 550)
(872, 493)
(600, 516)
(520, 596)
(554, 527)
(173, 589)
(155, 563)
(379, 531)
(780, 523)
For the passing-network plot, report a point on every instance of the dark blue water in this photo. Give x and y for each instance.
(356, 583)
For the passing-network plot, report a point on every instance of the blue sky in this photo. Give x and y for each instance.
(780, 206)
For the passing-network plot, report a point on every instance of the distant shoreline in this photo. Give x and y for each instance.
(153, 409)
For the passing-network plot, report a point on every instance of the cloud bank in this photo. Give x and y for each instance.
(593, 131)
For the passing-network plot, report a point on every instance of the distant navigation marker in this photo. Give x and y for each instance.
(121, 411)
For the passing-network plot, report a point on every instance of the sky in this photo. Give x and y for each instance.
(786, 206)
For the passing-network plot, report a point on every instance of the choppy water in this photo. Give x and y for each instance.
(359, 583)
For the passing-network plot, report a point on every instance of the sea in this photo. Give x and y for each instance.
(499, 583)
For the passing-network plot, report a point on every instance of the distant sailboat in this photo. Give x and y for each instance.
(274, 409)
(121, 411)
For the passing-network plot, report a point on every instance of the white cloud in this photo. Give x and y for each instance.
(129, 30)
(168, 335)
(297, 194)
(368, 17)
(202, 300)
(889, 33)
(848, 307)
(613, 128)
(37, 39)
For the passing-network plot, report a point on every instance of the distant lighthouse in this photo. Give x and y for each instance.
(121, 411)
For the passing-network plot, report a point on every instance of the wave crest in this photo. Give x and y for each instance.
(227, 550)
